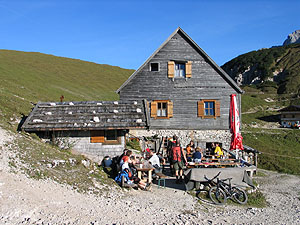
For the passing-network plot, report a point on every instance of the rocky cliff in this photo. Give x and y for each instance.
(293, 38)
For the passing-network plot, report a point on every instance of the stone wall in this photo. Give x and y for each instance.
(79, 143)
(200, 137)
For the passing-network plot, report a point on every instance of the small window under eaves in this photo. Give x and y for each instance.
(154, 67)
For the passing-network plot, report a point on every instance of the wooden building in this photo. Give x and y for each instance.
(290, 116)
(188, 94)
(94, 129)
(179, 90)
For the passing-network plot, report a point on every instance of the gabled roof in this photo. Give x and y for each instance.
(92, 115)
(216, 67)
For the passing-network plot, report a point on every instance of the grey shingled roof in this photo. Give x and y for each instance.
(90, 115)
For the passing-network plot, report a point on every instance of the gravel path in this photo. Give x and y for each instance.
(28, 201)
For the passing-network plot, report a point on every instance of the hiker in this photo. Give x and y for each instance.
(126, 157)
(197, 156)
(218, 151)
(171, 144)
(178, 164)
(129, 179)
(155, 162)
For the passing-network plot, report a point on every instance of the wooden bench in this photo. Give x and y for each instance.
(161, 180)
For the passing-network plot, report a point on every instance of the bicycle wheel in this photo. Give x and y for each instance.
(239, 195)
(217, 195)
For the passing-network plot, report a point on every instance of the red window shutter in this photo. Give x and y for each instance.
(188, 69)
(201, 109)
(217, 109)
(153, 109)
(171, 69)
(170, 109)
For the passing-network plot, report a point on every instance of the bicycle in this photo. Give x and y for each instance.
(221, 191)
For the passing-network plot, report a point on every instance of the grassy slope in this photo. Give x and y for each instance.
(279, 147)
(31, 77)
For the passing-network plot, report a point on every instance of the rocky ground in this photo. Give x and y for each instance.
(28, 201)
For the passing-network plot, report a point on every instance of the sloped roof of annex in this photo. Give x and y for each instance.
(229, 80)
(86, 115)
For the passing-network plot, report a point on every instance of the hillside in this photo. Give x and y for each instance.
(274, 70)
(29, 77)
(271, 80)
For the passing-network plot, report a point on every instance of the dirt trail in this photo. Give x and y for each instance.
(28, 201)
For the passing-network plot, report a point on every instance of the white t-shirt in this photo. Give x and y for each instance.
(125, 166)
(154, 160)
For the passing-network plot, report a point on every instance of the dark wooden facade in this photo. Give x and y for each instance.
(204, 81)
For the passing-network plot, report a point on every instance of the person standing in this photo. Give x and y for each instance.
(171, 144)
(178, 164)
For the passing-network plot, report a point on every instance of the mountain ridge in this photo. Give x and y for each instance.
(293, 38)
(275, 69)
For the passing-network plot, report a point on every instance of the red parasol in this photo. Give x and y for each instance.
(236, 140)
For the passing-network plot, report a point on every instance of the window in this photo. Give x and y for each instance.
(105, 137)
(180, 70)
(111, 135)
(209, 109)
(161, 109)
(154, 66)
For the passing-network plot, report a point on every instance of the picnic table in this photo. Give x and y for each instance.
(215, 163)
(148, 170)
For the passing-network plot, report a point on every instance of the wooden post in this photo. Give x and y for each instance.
(53, 138)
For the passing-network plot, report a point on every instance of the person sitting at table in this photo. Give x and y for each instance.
(130, 179)
(212, 148)
(178, 164)
(126, 157)
(197, 156)
(218, 151)
(155, 162)
(189, 151)
(132, 165)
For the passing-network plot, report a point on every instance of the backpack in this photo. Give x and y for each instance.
(176, 153)
(124, 173)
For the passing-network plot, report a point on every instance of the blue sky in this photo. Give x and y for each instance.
(125, 33)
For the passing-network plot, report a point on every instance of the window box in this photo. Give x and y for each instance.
(105, 136)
